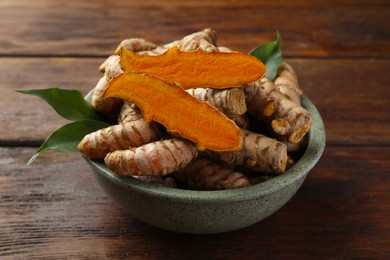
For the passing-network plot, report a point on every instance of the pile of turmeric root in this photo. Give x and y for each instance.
(271, 123)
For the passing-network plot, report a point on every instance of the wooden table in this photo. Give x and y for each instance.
(55, 209)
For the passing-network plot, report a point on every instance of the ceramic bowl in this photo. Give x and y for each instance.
(207, 212)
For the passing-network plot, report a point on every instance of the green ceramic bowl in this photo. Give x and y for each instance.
(207, 212)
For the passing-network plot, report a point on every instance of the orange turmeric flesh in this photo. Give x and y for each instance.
(177, 110)
(197, 69)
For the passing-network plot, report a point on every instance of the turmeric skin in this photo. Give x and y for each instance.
(198, 68)
(112, 67)
(286, 82)
(228, 101)
(98, 144)
(265, 102)
(205, 40)
(258, 153)
(206, 174)
(178, 111)
(135, 45)
(129, 112)
(157, 158)
(107, 107)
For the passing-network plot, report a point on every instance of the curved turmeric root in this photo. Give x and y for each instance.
(135, 45)
(109, 107)
(265, 102)
(98, 144)
(112, 67)
(157, 158)
(205, 174)
(177, 110)
(259, 153)
(286, 82)
(194, 69)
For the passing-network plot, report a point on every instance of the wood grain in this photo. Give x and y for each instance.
(55, 209)
(326, 28)
(343, 91)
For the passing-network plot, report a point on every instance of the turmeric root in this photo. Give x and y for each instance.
(129, 112)
(135, 45)
(157, 158)
(286, 82)
(287, 118)
(158, 180)
(228, 101)
(98, 144)
(259, 153)
(109, 107)
(205, 174)
(198, 68)
(112, 67)
(242, 121)
(177, 110)
(203, 39)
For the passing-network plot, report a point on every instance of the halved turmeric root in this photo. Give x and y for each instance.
(177, 110)
(197, 68)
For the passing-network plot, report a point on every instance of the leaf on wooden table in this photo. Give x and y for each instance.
(67, 137)
(69, 104)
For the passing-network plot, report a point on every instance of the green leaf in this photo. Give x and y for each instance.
(69, 104)
(66, 138)
(271, 55)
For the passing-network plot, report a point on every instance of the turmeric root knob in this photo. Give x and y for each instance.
(98, 144)
(157, 158)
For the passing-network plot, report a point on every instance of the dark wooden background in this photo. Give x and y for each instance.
(341, 52)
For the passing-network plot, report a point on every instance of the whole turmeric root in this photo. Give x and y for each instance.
(112, 67)
(265, 102)
(286, 82)
(157, 158)
(98, 144)
(108, 107)
(228, 101)
(205, 174)
(258, 153)
(136, 45)
(205, 40)
(129, 112)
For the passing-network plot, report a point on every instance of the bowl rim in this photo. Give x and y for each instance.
(313, 152)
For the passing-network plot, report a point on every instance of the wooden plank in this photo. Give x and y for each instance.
(55, 209)
(63, 27)
(351, 95)
(32, 117)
